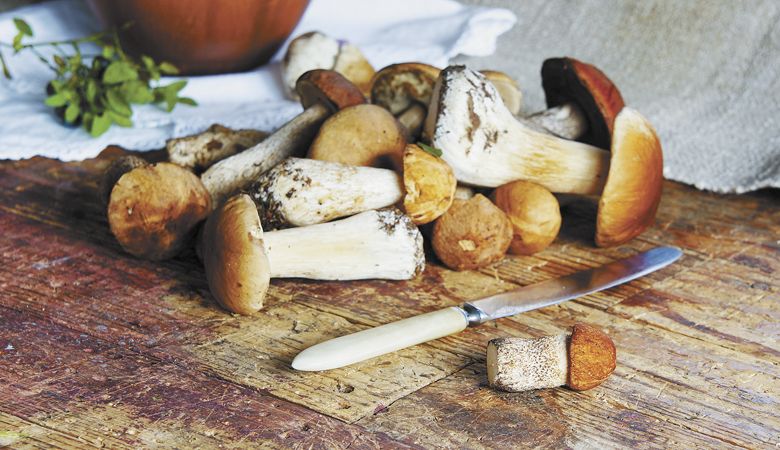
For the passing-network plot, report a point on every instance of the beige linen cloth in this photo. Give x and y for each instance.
(705, 72)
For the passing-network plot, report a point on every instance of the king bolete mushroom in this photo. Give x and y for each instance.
(581, 361)
(582, 102)
(153, 209)
(322, 92)
(239, 258)
(199, 151)
(315, 50)
(534, 213)
(300, 192)
(486, 146)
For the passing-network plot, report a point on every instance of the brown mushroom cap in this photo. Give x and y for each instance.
(360, 135)
(568, 80)
(471, 234)
(534, 213)
(429, 183)
(592, 357)
(633, 188)
(153, 209)
(237, 268)
(398, 86)
(329, 88)
(114, 172)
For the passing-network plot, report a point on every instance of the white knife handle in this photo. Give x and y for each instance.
(345, 350)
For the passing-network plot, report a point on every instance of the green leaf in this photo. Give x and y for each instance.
(6, 72)
(137, 92)
(428, 149)
(100, 124)
(117, 103)
(175, 87)
(119, 71)
(17, 43)
(72, 112)
(188, 101)
(120, 120)
(108, 52)
(168, 68)
(56, 100)
(91, 90)
(23, 27)
(59, 61)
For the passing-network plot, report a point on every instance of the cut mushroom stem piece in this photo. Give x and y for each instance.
(405, 90)
(315, 50)
(153, 209)
(486, 146)
(301, 192)
(322, 92)
(199, 151)
(583, 102)
(240, 259)
(582, 361)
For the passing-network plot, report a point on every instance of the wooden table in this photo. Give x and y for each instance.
(98, 349)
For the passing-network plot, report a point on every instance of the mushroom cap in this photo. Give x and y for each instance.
(398, 86)
(360, 135)
(430, 185)
(351, 63)
(568, 80)
(534, 213)
(237, 267)
(633, 188)
(471, 234)
(114, 171)
(592, 357)
(507, 88)
(153, 209)
(329, 88)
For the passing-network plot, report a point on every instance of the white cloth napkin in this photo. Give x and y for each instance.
(430, 31)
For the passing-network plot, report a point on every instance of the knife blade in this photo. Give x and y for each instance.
(352, 348)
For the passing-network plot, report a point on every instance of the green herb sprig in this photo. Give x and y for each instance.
(430, 149)
(98, 91)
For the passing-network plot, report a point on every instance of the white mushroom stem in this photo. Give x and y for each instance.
(464, 192)
(517, 364)
(412, 119)
(199, 151)
(486, 146)
(382, 244)
(302, 192)
(231, 174)
(566, 121)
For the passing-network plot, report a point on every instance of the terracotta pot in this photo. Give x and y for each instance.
(203, 36)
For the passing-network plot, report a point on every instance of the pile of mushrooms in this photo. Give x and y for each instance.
(339, 191)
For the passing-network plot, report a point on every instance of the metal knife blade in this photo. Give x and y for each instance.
(356, 347)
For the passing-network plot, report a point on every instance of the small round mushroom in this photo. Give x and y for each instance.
(360, 135)
(405, 90)
(199, 151)
(429, 183)
(582, 361)
(239, 258)
(534, 213)
(486, 146)
(315, 50)
(471, 234)
(153, 210)
(322, 92)
(583, 102)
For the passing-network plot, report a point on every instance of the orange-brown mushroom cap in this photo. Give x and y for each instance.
(592, 357)
(568, 80)
(237, 267)
(633, 188)
(534, 213)
(329, 88)
(429, 183)
(153, 209)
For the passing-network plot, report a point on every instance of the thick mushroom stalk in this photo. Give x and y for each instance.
(315, 50)
(321, 92)
(486, 146)
(301, 192)
(582, 361)
(583, 102)
(200, 151)
(240, 259)
(153, 209)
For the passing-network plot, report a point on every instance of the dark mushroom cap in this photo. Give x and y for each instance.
(568, 80)
(329, 88)
(633, 188)
(592, 357)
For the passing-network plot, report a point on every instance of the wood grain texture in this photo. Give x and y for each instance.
(98, 348)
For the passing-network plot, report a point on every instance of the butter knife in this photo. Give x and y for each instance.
(352, 348)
